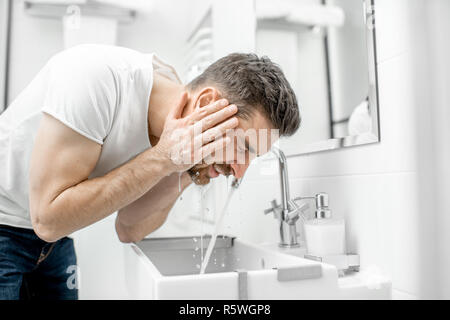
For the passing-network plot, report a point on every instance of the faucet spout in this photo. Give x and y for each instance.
(288, 212)
(284, 178)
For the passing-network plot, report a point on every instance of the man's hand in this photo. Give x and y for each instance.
(187, 141)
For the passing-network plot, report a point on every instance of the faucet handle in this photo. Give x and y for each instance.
(274, 205)
(295, 211)
(303, 198)
(275, 209)
(304, 207)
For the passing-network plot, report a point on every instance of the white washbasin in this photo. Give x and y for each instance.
(168, 268)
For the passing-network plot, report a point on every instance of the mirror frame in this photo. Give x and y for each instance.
(373, 99)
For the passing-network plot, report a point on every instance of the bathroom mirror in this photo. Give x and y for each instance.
(327, 50)
(4, 25)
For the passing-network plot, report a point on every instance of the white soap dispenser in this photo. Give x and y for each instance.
(324, 235)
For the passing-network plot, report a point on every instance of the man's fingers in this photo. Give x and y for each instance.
(188, 154)
(214, 107)
(176, 112)
(217, 117)
(212, 134)
(216, 132)
(215, 146)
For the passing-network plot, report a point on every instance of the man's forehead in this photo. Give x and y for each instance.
(256, 133)
(254, 120)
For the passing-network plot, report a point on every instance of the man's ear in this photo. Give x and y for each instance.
(206, 96)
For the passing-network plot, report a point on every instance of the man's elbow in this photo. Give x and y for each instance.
(125, 235)
(45, 233)
(126, 238)
(45, 230)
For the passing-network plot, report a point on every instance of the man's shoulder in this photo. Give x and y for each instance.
(98, 54)
(93, 62)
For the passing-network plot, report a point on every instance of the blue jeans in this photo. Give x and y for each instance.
(31, 268)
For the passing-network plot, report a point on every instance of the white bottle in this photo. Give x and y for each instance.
(324, 235)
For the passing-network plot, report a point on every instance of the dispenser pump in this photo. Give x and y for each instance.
(322, 210)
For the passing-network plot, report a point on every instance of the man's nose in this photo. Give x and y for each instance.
(239, 170)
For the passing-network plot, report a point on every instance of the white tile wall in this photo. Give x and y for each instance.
(393, 22)
(439, 22)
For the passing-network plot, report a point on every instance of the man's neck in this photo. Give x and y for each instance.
(164, 96)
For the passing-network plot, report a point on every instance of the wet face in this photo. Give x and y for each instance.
(252, 138)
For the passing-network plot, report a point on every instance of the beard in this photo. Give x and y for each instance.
(200, 172)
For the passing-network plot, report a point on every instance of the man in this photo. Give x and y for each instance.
(94, 133)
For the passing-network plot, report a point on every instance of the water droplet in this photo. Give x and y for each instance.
(193, 256)
(223, 265)
(197, 248)
(195, 239)
(197, 266)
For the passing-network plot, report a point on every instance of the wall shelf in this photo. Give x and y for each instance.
(58, 9)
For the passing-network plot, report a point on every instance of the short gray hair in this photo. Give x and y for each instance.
(254, 83)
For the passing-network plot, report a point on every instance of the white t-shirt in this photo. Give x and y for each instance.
(101, 92)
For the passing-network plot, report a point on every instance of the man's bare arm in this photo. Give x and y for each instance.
(148, 213)
(62, 199)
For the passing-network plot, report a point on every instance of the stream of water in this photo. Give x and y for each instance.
(212, 242)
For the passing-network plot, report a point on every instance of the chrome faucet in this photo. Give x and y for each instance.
(288, 211)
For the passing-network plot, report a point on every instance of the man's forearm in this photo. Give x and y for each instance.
(148, 213)
(94, 199)
(136, 232)
(158, 198)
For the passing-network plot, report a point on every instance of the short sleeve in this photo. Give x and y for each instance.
(81, 92)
